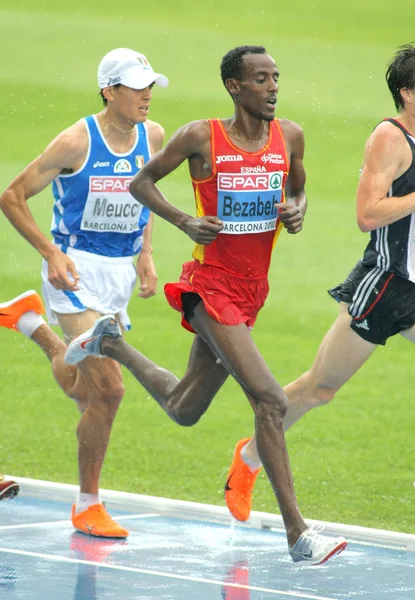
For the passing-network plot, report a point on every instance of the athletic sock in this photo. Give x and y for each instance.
(252, 464)
(84, 501)
(29, 322)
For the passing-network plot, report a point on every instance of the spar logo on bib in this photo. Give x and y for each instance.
(247, 201)
(122, 166)
(275, 181)
(110, 208)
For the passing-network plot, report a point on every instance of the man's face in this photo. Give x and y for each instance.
(131, 105)
(258, 88)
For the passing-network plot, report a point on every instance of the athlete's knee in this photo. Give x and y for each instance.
(112, 393)
(81, 401)
(182, 412)
(185, 418)
(271, 403)
(107, 390)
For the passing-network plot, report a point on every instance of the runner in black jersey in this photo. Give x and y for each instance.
(377, 300)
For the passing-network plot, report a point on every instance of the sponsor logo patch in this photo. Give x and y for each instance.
(247, 202)
(274, 159)
(114, 80)
(122, 166)
(362, 325)
(110, 184)
(229, 158)
(110, 206)
(139, 161)
(249, 182)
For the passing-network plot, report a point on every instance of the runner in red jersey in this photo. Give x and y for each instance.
(241, 167)
(243, 191)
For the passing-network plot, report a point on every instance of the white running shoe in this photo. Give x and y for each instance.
(314, 549)
(89, 343)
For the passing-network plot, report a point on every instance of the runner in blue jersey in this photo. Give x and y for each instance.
(88, 270)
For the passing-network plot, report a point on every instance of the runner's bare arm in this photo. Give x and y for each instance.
(190, 140)
(66, 151)
(145, 266)
(292, 213)
(156, 135)
(387, 156)
(156, 139)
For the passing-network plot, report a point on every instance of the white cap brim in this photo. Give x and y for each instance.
(137, 79)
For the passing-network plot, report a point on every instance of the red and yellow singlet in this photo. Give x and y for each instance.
(242, 191)
(230, 275)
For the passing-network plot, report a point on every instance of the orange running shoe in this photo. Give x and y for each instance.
(96, 521)
(240, 484)
(10, 312)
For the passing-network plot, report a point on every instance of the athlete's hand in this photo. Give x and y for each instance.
(203, 230)
(62, 272)
(291, 217)
(147, 275)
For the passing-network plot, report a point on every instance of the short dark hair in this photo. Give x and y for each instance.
(400, 73)
(104, 100)
(231, 66)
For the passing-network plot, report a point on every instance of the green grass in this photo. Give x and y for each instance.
(353, 461)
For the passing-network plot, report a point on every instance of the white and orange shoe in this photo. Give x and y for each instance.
(89, 342)
(314, 548)
(10, 312)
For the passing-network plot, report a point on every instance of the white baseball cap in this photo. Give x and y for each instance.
(130, 68)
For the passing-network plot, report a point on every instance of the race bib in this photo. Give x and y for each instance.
(110, 207)
(246, 201)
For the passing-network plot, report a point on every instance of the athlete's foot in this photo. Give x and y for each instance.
(96, 521)
(315, 549)
(89, 343)
(240, 484)
(11, 311)
(8, 489)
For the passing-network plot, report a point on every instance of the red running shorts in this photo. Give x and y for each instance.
(228, 299)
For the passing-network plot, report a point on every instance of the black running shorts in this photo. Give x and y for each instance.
(381, 304)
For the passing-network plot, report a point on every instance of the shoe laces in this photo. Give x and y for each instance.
(313, 534)
(313, 530)
(101, 511)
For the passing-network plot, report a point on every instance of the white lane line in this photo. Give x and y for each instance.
(68, 522)
(162, 574)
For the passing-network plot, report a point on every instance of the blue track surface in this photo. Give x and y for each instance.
(41, 557)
